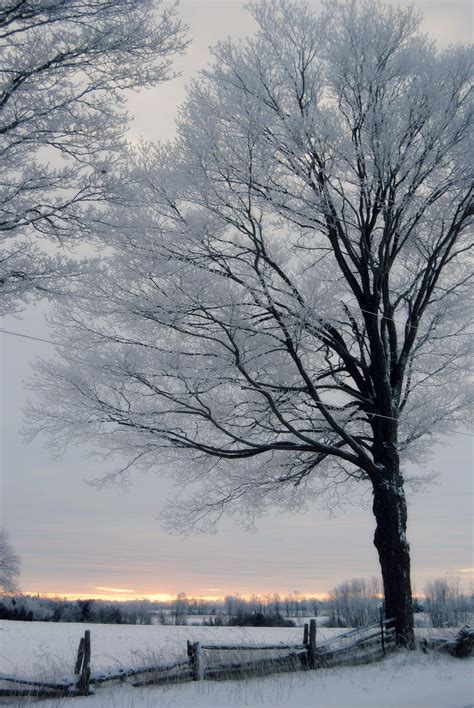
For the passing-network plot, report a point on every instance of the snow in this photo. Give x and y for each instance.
(405, 679)
(53, 646)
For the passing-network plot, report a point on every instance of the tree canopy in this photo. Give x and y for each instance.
(285, 310)
(63, 71)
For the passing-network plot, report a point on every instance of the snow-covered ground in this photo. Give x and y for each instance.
(403, 680)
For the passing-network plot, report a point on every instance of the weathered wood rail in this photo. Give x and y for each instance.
(297, 656)
(357, 646)
(460, 646)
(77, 685)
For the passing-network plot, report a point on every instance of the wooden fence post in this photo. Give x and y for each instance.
(312, 644)
(84, 658)
(195, 660)
(198, 663)
(80, 657)
(305, 634)
(190, 652)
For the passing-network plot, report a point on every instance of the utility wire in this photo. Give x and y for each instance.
(58, 344)
(29, 336)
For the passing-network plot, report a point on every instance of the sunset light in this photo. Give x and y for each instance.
(120, 595)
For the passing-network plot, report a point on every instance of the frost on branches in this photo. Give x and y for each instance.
(285, 313)
(63, 69)
(9, 564)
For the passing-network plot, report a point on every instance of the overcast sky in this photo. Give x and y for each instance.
(75, 539)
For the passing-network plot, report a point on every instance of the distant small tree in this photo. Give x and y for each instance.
(180, 608)
(354, 603)
(112, 615)
(446, 604)
(235, 607)
(163, 617)
(9, 564)
(297, 599)
(85, 610)
(276, 603)
(57, 614)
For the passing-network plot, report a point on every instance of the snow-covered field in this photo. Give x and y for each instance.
(403, 680)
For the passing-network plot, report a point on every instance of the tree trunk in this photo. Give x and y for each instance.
(390, 511)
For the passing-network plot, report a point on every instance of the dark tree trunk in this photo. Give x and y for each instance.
(390, 511)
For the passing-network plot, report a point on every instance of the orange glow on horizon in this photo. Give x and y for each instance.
(123, 595)
(107, 596)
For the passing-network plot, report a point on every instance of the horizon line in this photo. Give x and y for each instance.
(162, 597)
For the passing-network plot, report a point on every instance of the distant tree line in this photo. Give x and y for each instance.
(37, 608)
(353, 603)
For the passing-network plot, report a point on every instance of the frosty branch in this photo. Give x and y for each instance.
(64, 69)
(285, 311)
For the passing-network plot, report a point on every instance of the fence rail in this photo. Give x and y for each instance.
(252, 647)
(291, 662)
(58, 685)
(297, 656)
(388, 636)
(382, 626)
(361, 645)
(122, 674)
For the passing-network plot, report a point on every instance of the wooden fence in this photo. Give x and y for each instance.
(77, 685)
(356, 646)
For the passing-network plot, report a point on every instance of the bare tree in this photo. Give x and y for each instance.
(446, 604)
(9, 564)
(354, 603)
(180, 608)
(63, 71)
(285, 314)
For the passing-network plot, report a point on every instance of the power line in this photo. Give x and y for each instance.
(29, 336)
(58, 344)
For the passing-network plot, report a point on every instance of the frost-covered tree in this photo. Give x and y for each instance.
(9, 564)
(64, 67)
(354, 603)
(446, 605)
(180, 609)
(285, 315)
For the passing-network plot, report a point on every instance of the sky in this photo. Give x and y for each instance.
(74, 539)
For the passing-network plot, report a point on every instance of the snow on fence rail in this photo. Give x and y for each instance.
(77, 685)
(460, 646)
(357, 646)
(360, 645)
(197, 666)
